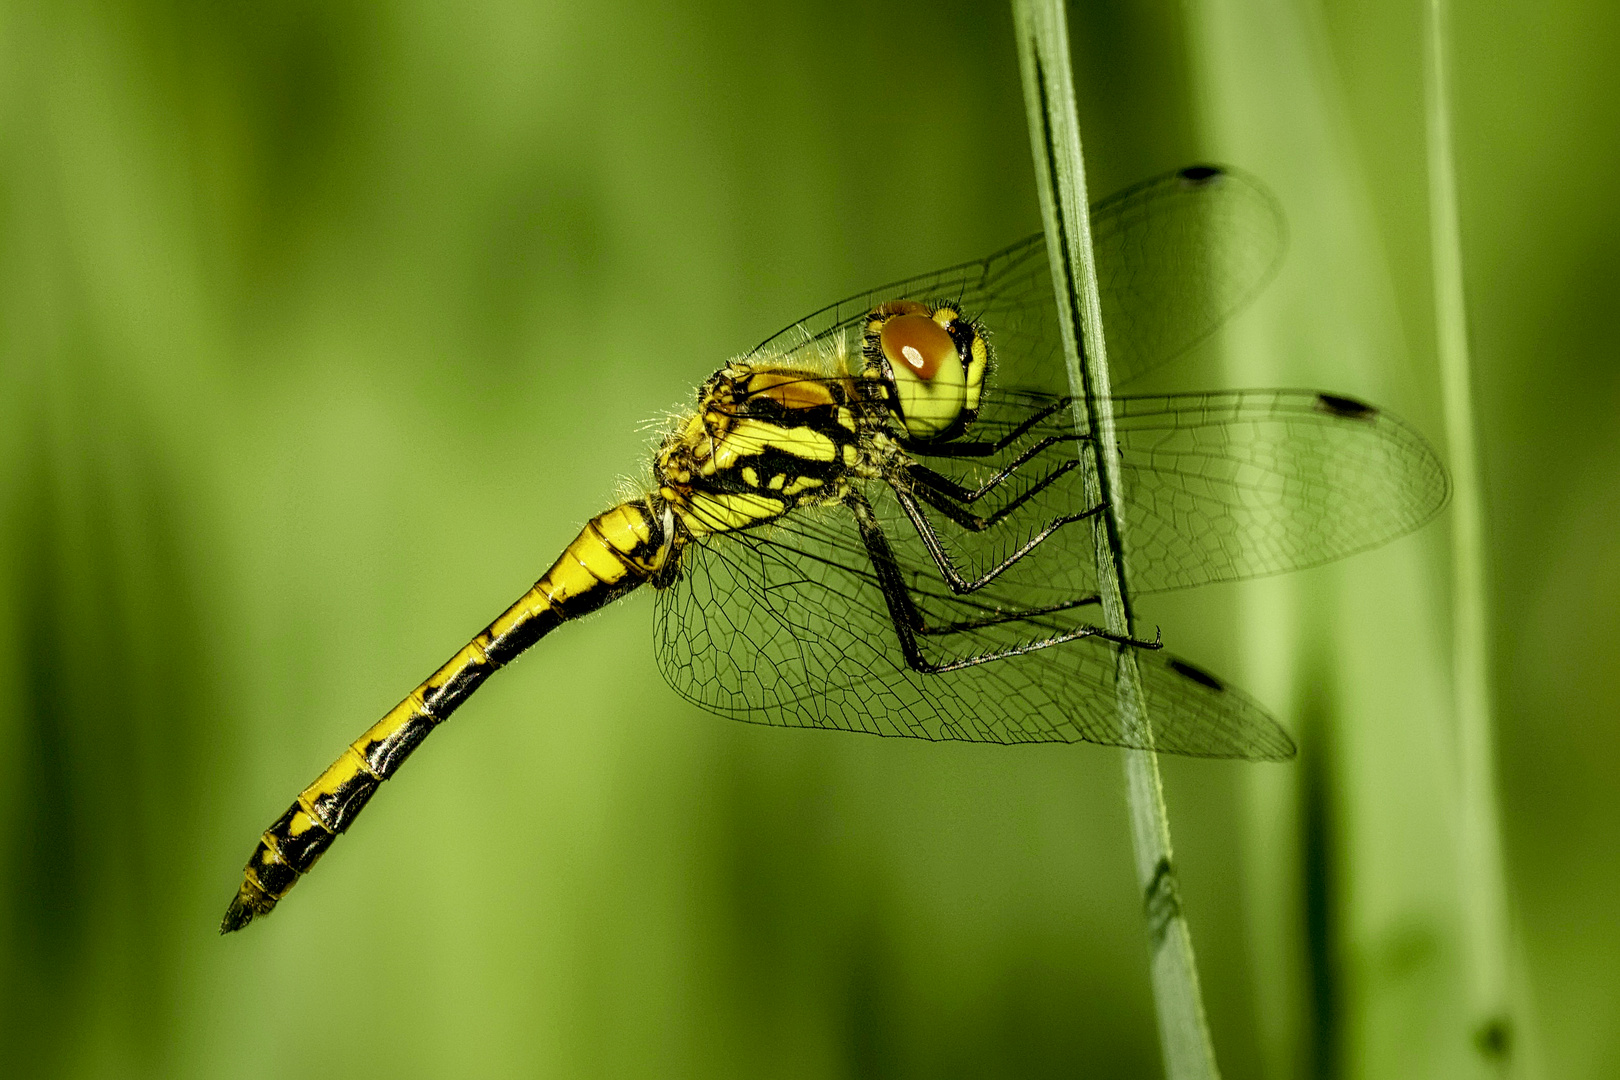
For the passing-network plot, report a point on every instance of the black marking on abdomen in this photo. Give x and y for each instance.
(300, 850)
(385, 756)
(502, 651)
(327, 807)
(337, 809)
(582, 604)
(441, 701)
(275, 875)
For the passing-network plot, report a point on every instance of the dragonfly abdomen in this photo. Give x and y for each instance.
(613, 554)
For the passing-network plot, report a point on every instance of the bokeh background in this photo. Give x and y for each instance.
(324, 325)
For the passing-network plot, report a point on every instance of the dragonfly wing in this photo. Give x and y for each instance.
(1176, 257)
(1004, 288)
(789, 628)
(1219, 486)
(1240, 484)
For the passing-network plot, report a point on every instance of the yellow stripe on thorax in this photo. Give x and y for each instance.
(749, 438)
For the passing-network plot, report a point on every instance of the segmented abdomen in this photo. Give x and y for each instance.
(613, 553)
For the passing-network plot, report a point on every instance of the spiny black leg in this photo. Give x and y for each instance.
(942, 558)
(902, 609)
(967, 519)
(964, 494)
(943, 502)
(1008, 615)
(908, 620)
(983, 448)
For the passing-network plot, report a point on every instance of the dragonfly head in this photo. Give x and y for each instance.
(933, 362)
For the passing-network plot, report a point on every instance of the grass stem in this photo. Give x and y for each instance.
(1483, 886)
(1043, 49)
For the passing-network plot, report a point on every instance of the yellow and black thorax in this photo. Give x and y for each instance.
(765, 441)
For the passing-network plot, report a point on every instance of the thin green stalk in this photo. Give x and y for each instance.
(1483, 886)
(1043, 50)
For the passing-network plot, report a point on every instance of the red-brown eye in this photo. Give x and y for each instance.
(917, 344)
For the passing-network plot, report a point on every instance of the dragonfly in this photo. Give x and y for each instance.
(865, 524)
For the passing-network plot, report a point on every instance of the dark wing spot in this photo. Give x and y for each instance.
(1196, 674)
(1199, 175)
(1349, 408)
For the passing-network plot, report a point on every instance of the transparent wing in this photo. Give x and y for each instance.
(1176, 257)
(1219, 486)
(789, 627)
(1241, 484)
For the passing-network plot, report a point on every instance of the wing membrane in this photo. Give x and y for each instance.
(1219, 486)
(1240, 484)
(1176, 257)
(789, 628)
(787, 625)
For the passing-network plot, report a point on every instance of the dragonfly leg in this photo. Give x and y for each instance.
(908, 621)
(985, 447)
(942, 494)
(942, 558)
(944, 485)
(1002, 616)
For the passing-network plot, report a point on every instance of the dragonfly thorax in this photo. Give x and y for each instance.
(763, 441)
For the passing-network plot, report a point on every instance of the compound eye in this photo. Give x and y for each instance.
(918, 345)
(926, 372)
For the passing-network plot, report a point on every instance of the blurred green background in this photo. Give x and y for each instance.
(324, 325)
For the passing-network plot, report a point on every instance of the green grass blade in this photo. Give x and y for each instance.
(1486, 926)
(1060, 170)
(1360, 933)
